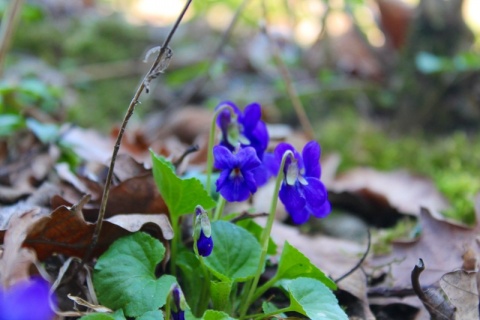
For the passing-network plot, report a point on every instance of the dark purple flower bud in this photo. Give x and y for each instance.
(236, 181)
(243, 129)
(26, 300)
(202, 232)
(302, 192)
(178, 303)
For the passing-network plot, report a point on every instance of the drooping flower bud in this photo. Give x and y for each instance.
(202, 232)
(178, 303)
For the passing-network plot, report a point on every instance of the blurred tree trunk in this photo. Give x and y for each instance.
(425, 101)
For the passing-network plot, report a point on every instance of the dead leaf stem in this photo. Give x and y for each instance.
(287, 79)
(199, 83)
(7, 28)
(164, 50)
(436, 304)
(359, 263)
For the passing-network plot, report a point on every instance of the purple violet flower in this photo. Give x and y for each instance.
(26, 300)
(203, 232)
(301, 191)
(236, 181)
(243, 129)
(178, 303)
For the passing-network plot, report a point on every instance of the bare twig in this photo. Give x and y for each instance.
(191, 149)
(245, 215)
(9, 21)
(163, 54)
(291, 91)
(359, 263)
(436, 304)
(199, 83)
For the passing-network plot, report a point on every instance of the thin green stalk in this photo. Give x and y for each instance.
(266, 234)
(219, 209)
(261, 290)
(173, 252)
(167, 305)
(205, 294)
(266, 315)
(211, 142)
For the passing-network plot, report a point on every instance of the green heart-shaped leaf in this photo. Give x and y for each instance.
(124, 276)
(236, 253)
(294, 264)
(181, 195)
(313, 299)
(216, 315)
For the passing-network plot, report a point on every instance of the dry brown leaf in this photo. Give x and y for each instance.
(65, 231)
(334, 256)
(461, 289)
(15, 261)
(442, 246)
(404, 191)
(382, 198)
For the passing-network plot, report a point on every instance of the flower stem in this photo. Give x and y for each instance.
(167, 306)
(266, 234)
(173, 253)
(211, 141)
(205, 294)
(219, 209)
(261, 290)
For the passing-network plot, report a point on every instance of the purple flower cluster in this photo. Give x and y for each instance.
(241, 152)
(245, 165)
(27, 300)
(302, 192)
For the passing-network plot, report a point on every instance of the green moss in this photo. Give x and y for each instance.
(450, 161)
(405, 229)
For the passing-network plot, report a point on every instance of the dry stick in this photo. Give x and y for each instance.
(200, 82)
(292, 93)
(9, 21)
(437, 305)
(359, 263)
(150, 75)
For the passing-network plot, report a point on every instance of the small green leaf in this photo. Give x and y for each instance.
(268, 307)
(256, 230)
(124, 276)
(294, 264)
(313, 299)
(192, 279)
(9, 123)
(220, 294)
(46, 132)
(216, 315)
(117, 315)
(151, 315)
(180, 195)
(236, 253)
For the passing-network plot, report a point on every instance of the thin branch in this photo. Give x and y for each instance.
(291, 91)
(359, 263)
(164, 50)
(199, 83)
(245, 215)
(191, 149)
(436, 304)
(9, 22)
